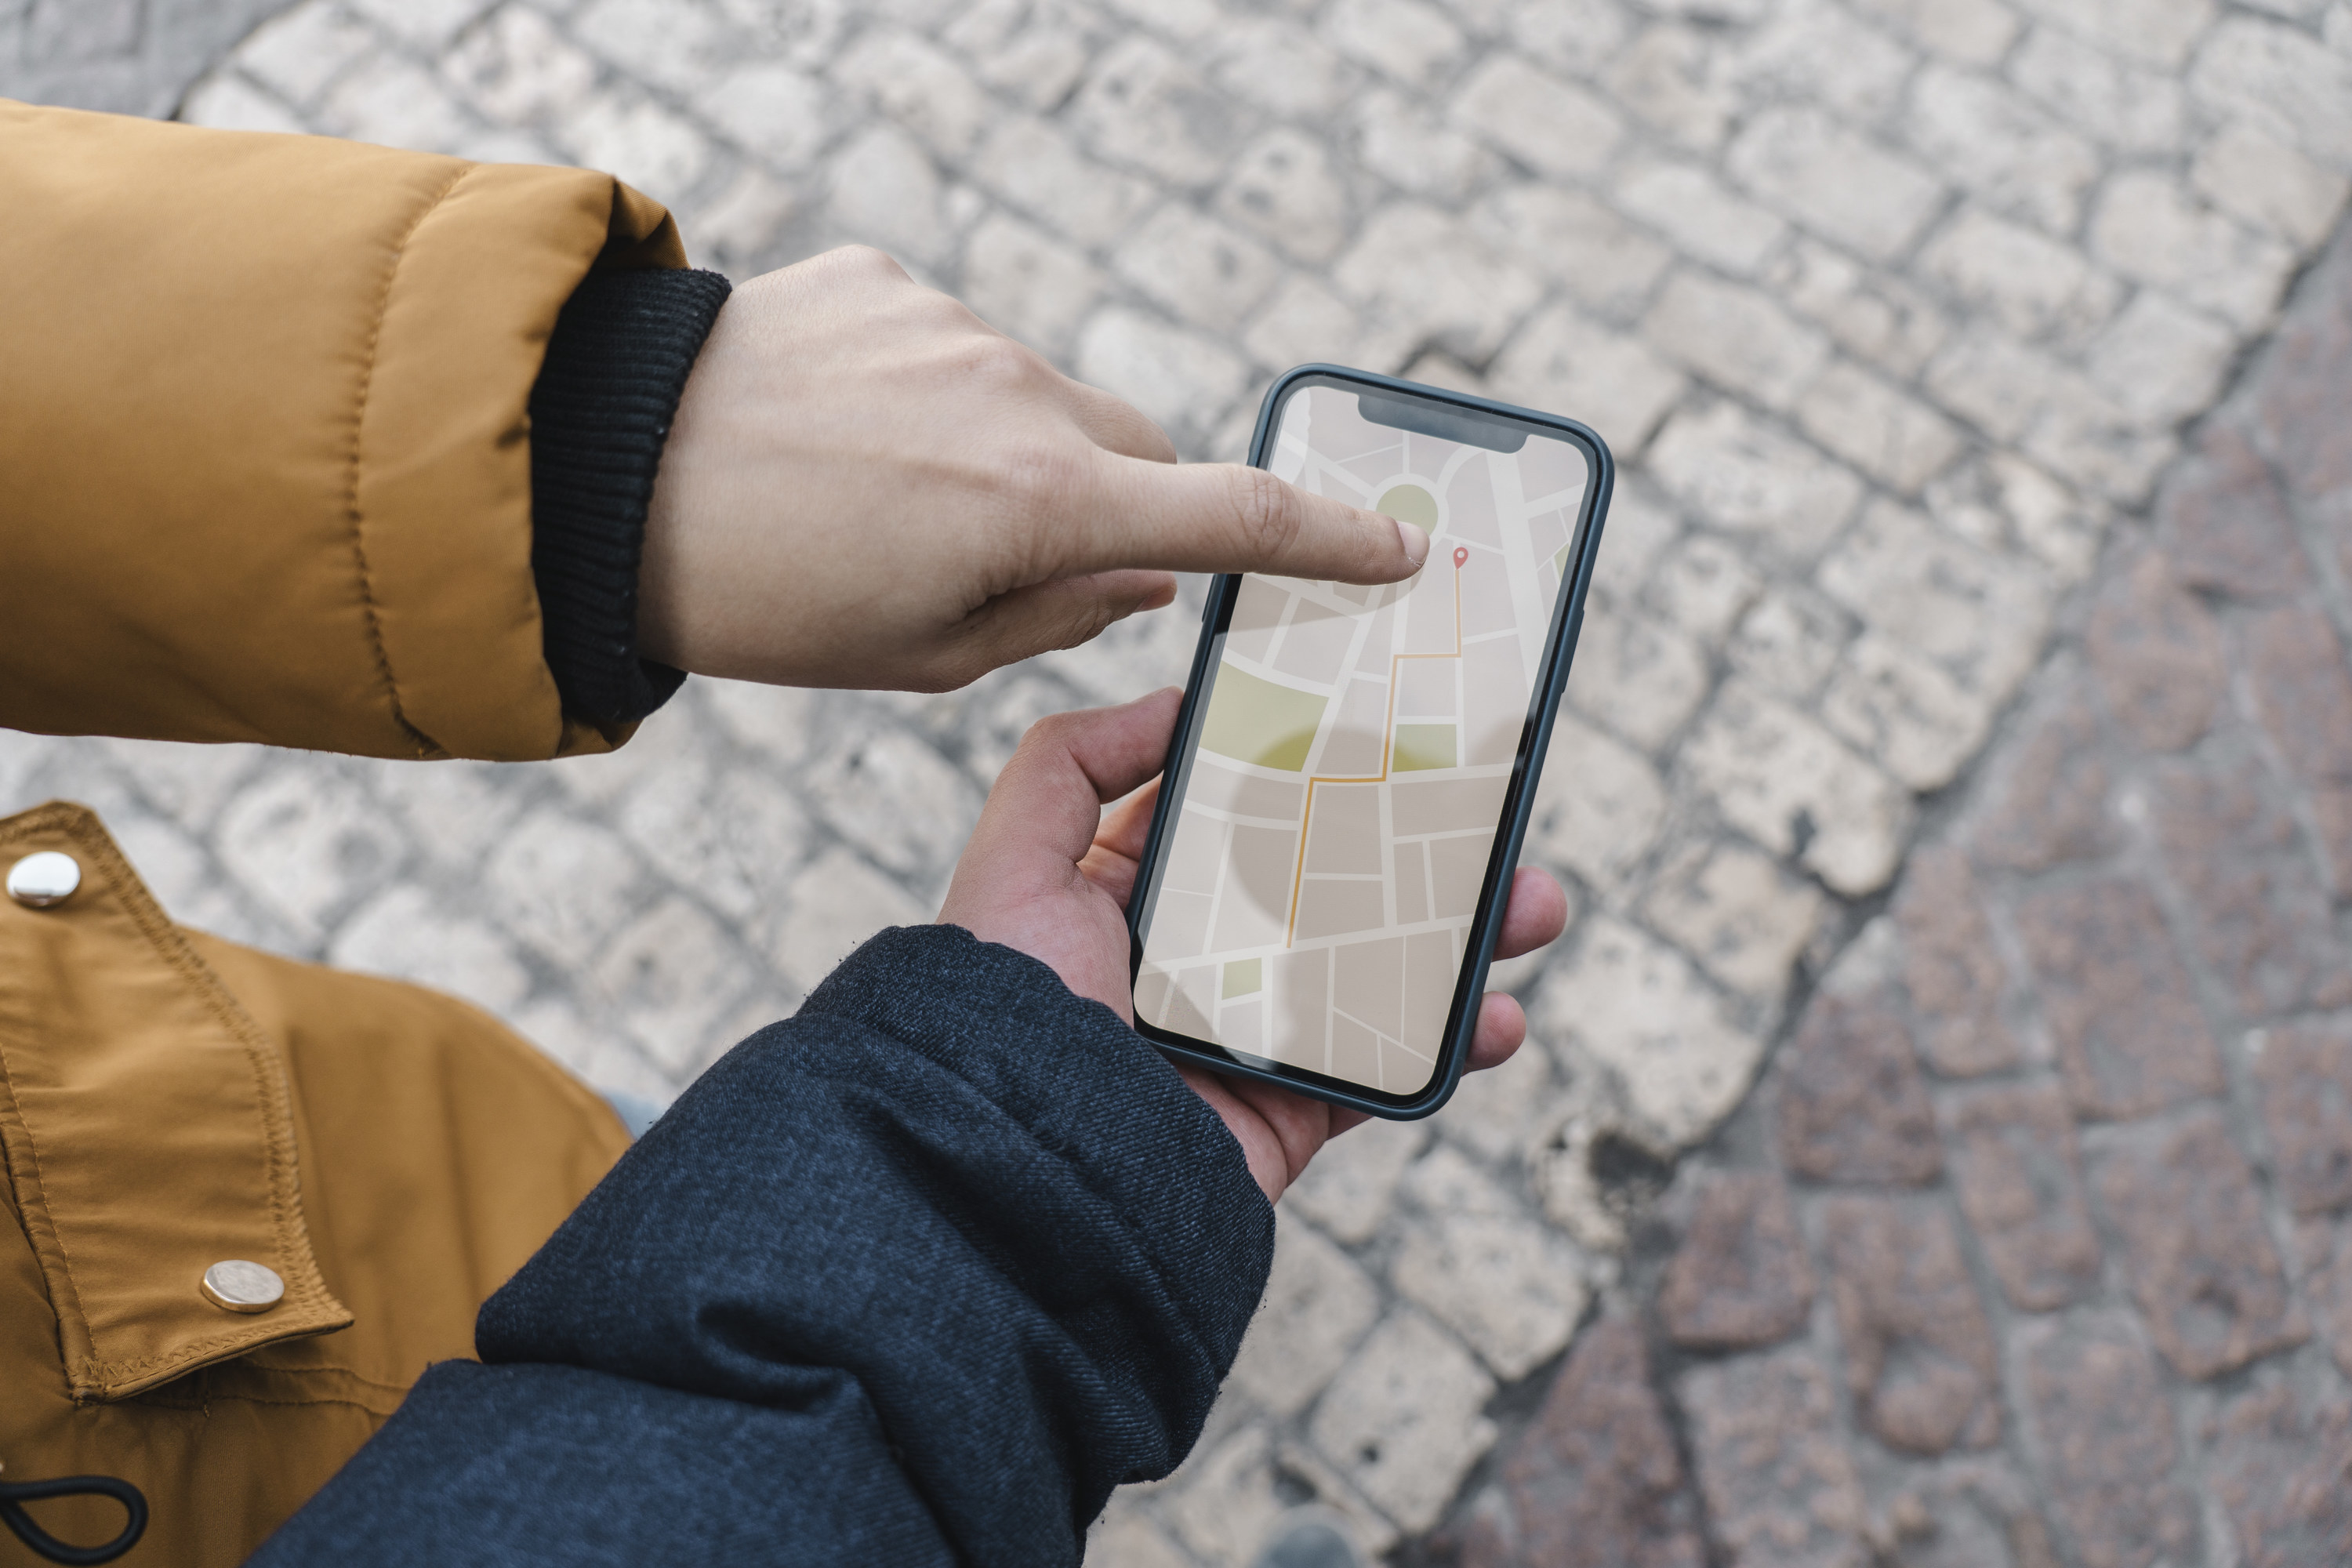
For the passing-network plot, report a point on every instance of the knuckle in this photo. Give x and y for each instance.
(1270, 517)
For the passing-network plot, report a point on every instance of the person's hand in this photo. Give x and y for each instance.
(867, 486)
(1048, 871)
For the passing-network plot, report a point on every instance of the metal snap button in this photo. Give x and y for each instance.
(236, 1286)
(41, 879)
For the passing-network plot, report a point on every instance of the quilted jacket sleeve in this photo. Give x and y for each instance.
(265, 466)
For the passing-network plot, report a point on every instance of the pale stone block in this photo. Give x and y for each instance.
(1317, 1304)
(427, 24)
(672, 974)
(1575, 241)
(1197, 267)
(601, 1054)
(1640, 529)
(2159, 33)
(914, 82)
(1577, 35)
(1187, 19)
(1702, 586)
(778, 721)
(779, 115)
(1639, 678)
(1717, 11)
(736, 224)
(404, 934)
(1815, 52)
(1408, 41)
(297, 53)
(1736, 337)
(1036, 55)
(1506, 1285)
(1971, 32)
(1408, 143)
(1916, 720)
(1885, 433)
(1278, 65)
(1143, 105)
(1283, 188)
(226, 102)
(1405, 1420)
(1027, 284)
(1500, 1114)
(1690, 206)
(1633, 1007)
(805, 34)
(1553, 127)
(1789, 642)
(1787, 783)
(1993, 139)
(1033, 166)
(1747, 477)
(1599, 807)
(563, 885)
(1352, 1185)
(517, 68)
(387, 100)
(2148, 228)
(1873, 316)
(1302, 323)
(673, 45)
(2033, 285)
(2002, 501)
(2269, 185)
(2161, 360)
(1422, 266)
(638, 141)
(2095, 443)
(895, 798)
(734, 834)
(1240, 1491)
(1742, 917)
(1130, 1540)
(1994, 382)
(838, 902)
(882, 189)
(1563, 362)
(1980, 615)
(1180, 380)
(2121, 105)
(309, 844)
(1833, 182)
(1666, 78)
(2282, 81)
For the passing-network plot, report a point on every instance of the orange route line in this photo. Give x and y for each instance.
(1388, 751)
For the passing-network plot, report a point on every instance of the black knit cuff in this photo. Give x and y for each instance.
(615, 368)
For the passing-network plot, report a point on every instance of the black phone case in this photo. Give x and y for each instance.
(1518, 800)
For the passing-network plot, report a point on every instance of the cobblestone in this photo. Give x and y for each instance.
(2202, 1261)
(2020, 1181)
(1888, 308)
(2105, 1438)
(2280, 1474)
(2130, 1037)
(1739, 1280)
(1779, 1485)
(1919, 1353)
(1853, 1106)
(1954, 973)
(1596, 1482)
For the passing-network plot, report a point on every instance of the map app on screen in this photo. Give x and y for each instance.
(1321, 866)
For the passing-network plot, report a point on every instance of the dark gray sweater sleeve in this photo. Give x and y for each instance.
(600, 411)
(916, 1276)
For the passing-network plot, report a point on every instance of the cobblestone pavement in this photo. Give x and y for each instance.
(2028, 1250)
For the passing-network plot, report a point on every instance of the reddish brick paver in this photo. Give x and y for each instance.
(2033, 1248)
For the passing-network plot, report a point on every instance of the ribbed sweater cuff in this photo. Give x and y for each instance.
(615, 368)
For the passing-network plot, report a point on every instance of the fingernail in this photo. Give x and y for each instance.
(1415, 542)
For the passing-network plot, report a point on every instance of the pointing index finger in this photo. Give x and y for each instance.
(1224, 517)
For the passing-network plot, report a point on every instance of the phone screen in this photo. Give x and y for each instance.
(1331, 833)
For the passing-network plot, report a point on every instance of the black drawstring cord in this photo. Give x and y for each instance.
(13, 1495)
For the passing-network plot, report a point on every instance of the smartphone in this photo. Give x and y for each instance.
(1353, 768)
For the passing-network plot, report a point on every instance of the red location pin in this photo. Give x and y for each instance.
(1461, 556)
